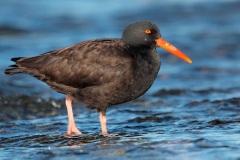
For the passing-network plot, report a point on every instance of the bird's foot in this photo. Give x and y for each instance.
(73, 132)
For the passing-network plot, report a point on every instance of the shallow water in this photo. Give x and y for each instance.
(190, 112)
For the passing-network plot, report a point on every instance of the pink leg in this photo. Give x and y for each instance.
(103, 122)
(72, 129)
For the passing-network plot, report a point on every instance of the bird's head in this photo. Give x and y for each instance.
(147, 34)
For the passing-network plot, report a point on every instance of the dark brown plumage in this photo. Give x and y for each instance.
(101, 72)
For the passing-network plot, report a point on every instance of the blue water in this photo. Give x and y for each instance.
(190, 112)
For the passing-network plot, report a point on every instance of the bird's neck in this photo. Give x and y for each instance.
(148, 61)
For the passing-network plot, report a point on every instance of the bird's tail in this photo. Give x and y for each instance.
(14, 69)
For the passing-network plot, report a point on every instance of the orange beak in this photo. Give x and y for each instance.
(170, 48)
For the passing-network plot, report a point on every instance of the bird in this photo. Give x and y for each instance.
(102, 72)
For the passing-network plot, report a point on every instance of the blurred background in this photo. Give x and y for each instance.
(207, 92)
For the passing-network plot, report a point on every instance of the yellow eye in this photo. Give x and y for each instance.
(148, 31)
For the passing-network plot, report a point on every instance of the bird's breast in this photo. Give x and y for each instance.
(147, 66)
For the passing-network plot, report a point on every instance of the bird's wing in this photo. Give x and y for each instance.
(89, 63)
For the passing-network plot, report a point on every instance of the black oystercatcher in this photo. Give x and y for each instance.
(101, 72)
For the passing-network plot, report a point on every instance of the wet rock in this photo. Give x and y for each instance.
(152, 119)
(18, 107)
(222, 122)
(11, 31)
(164, 92)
